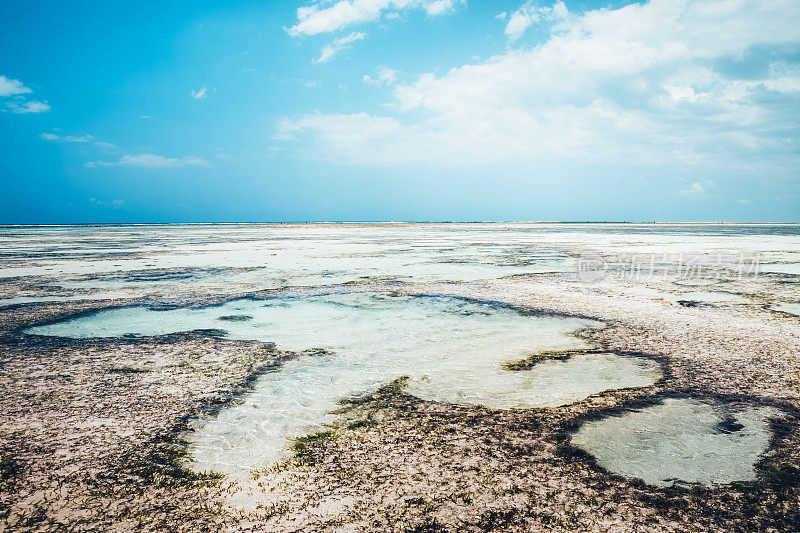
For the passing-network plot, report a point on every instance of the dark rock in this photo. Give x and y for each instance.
(236, 318)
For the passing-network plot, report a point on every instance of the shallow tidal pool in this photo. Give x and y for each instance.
(452, 350)
(790, 308)
(680, 441)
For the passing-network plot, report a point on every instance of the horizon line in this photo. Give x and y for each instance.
(388, 222)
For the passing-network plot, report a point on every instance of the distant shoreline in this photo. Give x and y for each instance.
(398, 223)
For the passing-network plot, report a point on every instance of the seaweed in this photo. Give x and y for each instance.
(535, 358)
(309, 450)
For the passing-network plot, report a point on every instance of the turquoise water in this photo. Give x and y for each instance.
(452, 350)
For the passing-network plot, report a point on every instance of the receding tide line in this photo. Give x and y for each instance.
(452, 350)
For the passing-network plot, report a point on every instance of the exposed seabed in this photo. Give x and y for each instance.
(449, 349)
(133, 366)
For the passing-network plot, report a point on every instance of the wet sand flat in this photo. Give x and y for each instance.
(104, 419)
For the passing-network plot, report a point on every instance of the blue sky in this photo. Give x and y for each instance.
(193, 111)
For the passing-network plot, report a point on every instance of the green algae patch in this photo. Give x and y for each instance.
(309, 450)
(535, 358)
(380, 398)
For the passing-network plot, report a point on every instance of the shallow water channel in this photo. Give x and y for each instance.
(452, 350)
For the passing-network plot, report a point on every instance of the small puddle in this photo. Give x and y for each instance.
(792, 309)
(680, 441)
(711, 297)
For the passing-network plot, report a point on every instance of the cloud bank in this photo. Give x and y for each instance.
(668, 80)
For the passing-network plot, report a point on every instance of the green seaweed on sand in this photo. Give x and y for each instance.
(162, 464)
(535, 358)
(378, 399)
(357, 413)
(309, 449)
(10, 471)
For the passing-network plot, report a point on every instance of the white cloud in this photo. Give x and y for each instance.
(529, 14)
(640, 83)
(12, 91)
(698, 188)
(116, 204)
(105, 145)
(32, 106)
(9, 87)
(66, 138)
(149, 161)
(520, 20)
(143, 160)
(694, 189)
(308, 84)
(53, 137)
(438, 7)
(337, 45)
(383, 76)
(326, 16)
(197, 94)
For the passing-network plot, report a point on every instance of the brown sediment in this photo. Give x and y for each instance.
(420, 465)
(92, 431)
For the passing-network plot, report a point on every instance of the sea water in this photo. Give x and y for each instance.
(680, 441)
(790, 308)
(452, 350)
